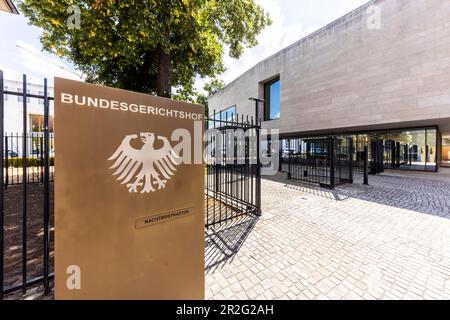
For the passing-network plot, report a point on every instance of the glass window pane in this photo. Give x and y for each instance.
(416, 157)
(272, 100)
(37, 123)
(275, 100)
(446, 150)
(229, 114)
(224, 115)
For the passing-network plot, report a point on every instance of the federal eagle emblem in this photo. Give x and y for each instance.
(146, 169)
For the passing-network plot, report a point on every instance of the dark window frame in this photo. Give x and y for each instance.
(266, 86)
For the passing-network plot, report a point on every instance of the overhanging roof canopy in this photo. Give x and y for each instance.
(8, 6)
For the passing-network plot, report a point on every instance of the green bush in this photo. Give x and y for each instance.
(31, 162)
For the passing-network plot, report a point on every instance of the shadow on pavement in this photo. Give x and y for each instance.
(424, 194)
(223, 242)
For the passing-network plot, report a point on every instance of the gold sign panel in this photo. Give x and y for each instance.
(129, 209)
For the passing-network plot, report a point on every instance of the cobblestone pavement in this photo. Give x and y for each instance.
(388, 240)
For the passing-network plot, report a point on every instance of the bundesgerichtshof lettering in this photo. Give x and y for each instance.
(94, 102)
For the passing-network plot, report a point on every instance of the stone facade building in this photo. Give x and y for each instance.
(386, 80)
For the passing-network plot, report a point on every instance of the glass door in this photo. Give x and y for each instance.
(446, 151)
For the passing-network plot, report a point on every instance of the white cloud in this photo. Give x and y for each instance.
(20, 53)
(27, 59)
(32, 59)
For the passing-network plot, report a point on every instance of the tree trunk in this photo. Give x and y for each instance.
(163, 83)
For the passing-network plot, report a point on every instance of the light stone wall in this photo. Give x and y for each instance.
(348, 77)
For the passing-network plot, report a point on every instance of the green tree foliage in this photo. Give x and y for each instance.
(213, 86)
(210, 88)
(148, 46)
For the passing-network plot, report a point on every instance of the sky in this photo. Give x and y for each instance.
(21, 52)
(292, 20)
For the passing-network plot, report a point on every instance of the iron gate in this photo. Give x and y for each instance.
(26, 191)
(232, 188)
(360, 147)
(377, 163)
(233, 172)
(326, 161)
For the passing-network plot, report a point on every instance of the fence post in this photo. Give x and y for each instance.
(6, 164)
(350, 155)
(24, 185)
(393, 152)
(381, 149)
(289, 164)
(41, 159)
(258, 164)
(332, 150)
(46, 191)
(280, 155)
(373, 165)
(2, 234)
(366, 165)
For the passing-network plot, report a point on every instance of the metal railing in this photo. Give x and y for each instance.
(233, 178)
(326, 161)
(13, 164)
(10, 159)
(232, 189)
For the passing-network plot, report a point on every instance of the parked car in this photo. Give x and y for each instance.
(12, 154)
(37, 153)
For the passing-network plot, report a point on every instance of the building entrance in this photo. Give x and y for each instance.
(445, 153)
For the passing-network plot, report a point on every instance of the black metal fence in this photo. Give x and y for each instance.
(25, 198)
(13, 164)
(232, 188)
(377, 152)
(343, 160)
(233, 172)
(360, 142)
(327, 161)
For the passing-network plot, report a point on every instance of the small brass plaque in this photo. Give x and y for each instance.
(163, 217)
